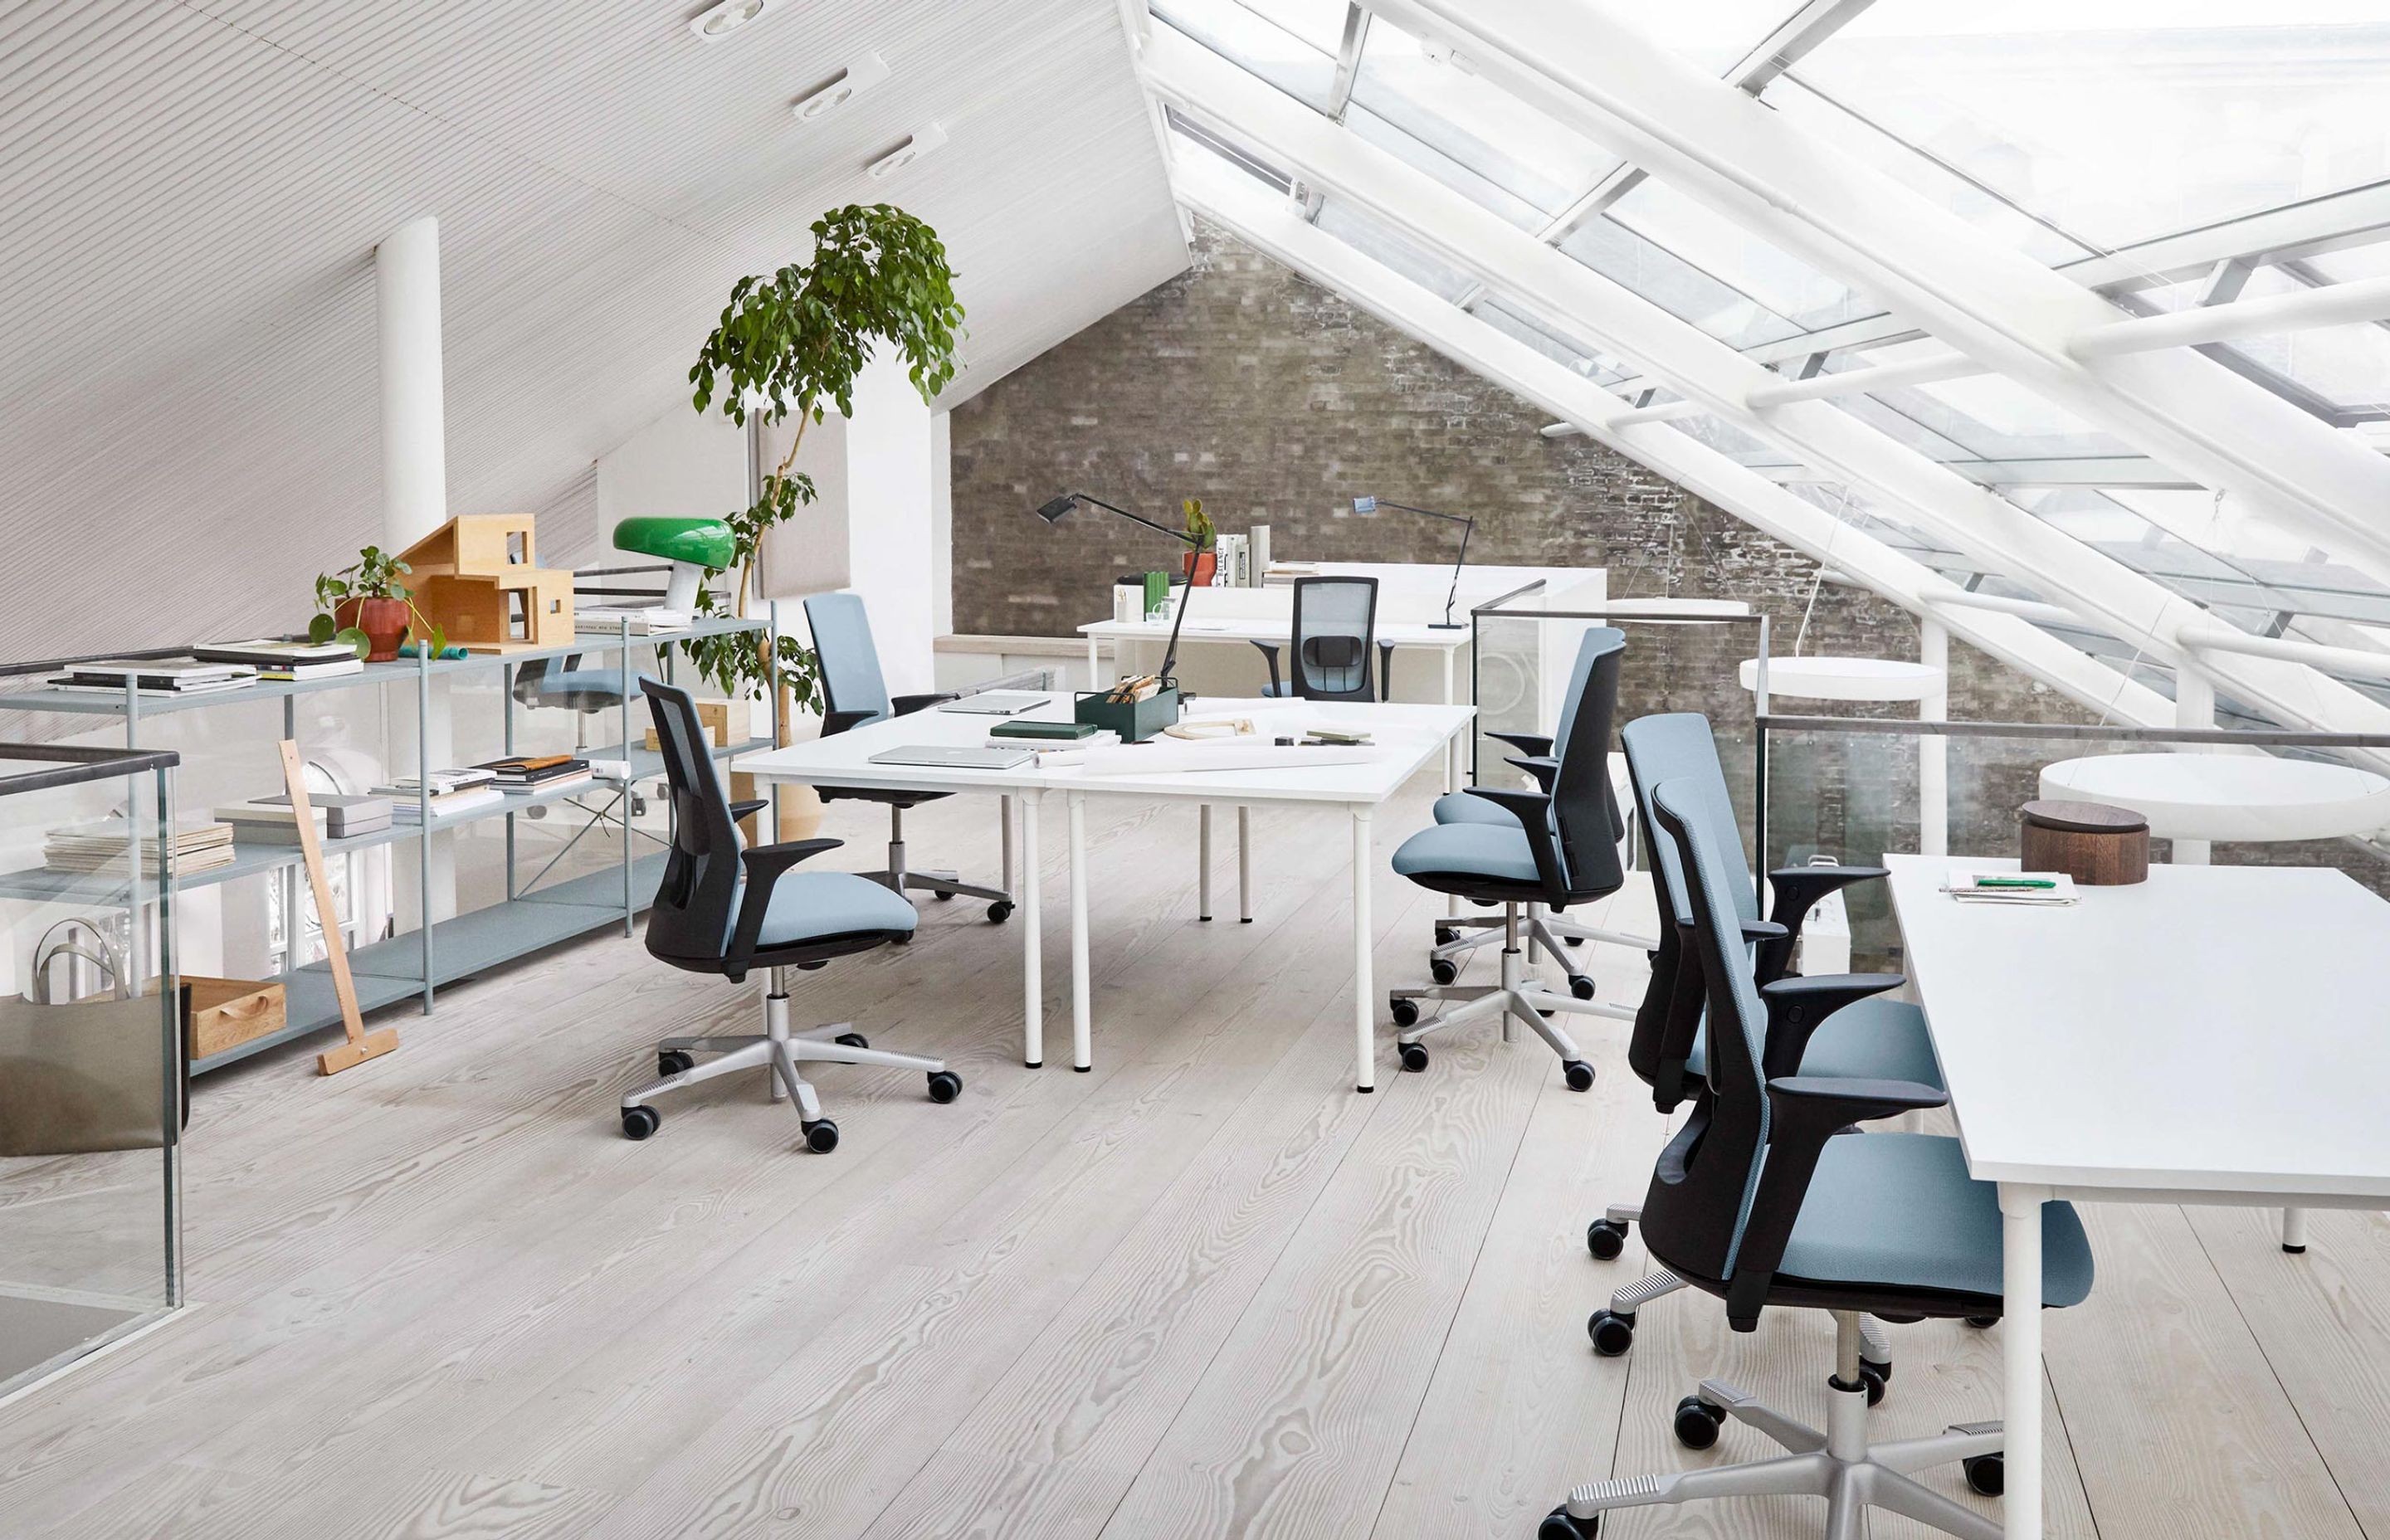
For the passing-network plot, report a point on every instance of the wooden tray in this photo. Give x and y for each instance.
(225, 1013)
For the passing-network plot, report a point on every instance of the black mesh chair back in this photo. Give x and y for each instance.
(1335, 627)
(1585, 822)
(698, 896)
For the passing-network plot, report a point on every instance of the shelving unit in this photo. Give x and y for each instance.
(436, 953)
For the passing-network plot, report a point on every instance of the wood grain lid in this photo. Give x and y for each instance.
(2083, 817)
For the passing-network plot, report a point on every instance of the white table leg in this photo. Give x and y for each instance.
(1451, 749)
(2021, 1342)
(1203, 861)
(1245, 865)
(1081, 1048)
(1033, 939)
(1004, 828)
(1365, 1017)
(2294, 1230)
(1095, 665)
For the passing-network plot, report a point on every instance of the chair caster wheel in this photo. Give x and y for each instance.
(1573, 941)
(1445, 935)
(1414, 1057)
(1698, 1422)
(672, 1061)
(942, 895)
(1558, 1525)
(945, 1085)
(902, 938)
(852, 1040)
(821, 1138)
(1874, 1381)
(1612, 1332)
(1442, 971)
(641, 1121)
(1580, 1074)
(1986, 1475)
(999, 911)
(1983, 1323)
(1404, 1012)
(1605, 1239)
(1580, 986)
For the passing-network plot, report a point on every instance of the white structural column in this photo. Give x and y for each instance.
(414, 451)
(1934, 753)
(1587, 63)
(2194, 706)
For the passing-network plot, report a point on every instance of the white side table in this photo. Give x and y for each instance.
(1880, 679)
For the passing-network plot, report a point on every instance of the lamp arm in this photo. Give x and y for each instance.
(1140, 519)
(1468, 528)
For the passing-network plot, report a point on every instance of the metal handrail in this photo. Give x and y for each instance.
(2075, 732)
(78, 766)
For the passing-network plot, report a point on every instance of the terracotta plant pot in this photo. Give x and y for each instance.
(384, 622)
(1200, 566)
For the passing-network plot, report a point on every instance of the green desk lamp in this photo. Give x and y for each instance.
(692, 546)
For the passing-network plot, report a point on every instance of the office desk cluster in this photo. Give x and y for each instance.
(1405, 739)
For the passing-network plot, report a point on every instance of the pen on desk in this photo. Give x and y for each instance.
(2014, 883)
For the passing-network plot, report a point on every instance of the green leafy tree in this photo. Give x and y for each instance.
(793, 342)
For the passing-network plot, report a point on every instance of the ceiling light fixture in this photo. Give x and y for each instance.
(849, 83)
(925, 139)
(717, 22)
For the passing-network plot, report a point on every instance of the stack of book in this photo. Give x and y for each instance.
(273, 821)
(199, 845)
(524, 774)
(280, 659)
(2019, 889)
(645, 620)
(452, 791)
(162, 677)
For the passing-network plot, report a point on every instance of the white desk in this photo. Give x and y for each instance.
(1407, 739)
(2155, 1043)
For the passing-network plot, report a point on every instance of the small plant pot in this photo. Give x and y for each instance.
(1201, 566)
(384, 622)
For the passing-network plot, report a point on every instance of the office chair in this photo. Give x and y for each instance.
(1758, 1201)
(724, 908)
(1562, 849)
(563, 683)
(1335, 624)
(1456, 936)
(852, 693)
(1854, 1036)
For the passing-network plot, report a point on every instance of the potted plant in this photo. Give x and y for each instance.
(793, 342)
(366, 603)
(1203, 558)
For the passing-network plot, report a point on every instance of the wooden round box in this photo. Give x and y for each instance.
(2098, 845)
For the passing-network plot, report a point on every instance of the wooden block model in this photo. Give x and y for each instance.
(477, 578)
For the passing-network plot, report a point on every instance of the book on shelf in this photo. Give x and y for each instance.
(198, 845)
(268, 652)
(440, 782)
(644, 620)
(156, 676)
(331, 667)
(336, 816)
(447, 805)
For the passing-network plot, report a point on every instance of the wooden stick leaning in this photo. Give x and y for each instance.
(362, 1044)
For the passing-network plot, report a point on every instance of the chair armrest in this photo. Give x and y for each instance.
(1526, 743)
(740, 810)
(1797, 1006)
(1752, 929)
(1687, 992)
(1795, 890)
(835, 723)
(1804, 1113)
(1543, 767)
(1533, 809)
(1269, 654)
(1385, 670)
(764, 866)
(906, 705)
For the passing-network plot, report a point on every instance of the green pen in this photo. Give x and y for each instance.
(2014, 883)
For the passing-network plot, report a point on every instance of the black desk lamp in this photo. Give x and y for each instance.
(1468, 527)
(1053, 513)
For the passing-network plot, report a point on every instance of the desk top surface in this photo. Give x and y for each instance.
(1267, 628)
(2220, 1028)
(1407, 737)
(2254, 797)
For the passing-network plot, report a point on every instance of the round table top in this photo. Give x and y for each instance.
(1845, 678)
(2252, 796)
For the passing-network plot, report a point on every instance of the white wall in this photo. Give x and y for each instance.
(889, 523)
(679, 465)
(941, 524)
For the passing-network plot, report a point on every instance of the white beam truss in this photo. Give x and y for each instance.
(2218, 321)
(1994, 533)
(1586, 63)
(1270, 224)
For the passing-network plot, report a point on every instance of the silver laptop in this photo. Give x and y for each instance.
(965, 757)
(996, 704)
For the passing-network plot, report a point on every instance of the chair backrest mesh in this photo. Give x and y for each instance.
(849, 662)
(1335, 625)
(698, 896)
(1584, 816)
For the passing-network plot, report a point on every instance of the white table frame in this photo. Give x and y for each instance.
(1409, 736)
(2025, 1186)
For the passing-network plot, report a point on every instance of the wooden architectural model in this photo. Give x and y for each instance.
(477, 577)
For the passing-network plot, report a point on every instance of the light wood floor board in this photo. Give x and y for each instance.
(1203, 1291)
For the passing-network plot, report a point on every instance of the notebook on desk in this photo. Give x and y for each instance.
(984, 758)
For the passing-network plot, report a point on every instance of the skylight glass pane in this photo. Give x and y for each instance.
(1551, 341)
(1365, 232)
(2123, 120)
(1727, 251)
(2348, 365)
(1290, 44)
(1675, 284)
(2358, 261)
(1420, 154)
(1714, 34)
(1512, 146)
(1189, 137)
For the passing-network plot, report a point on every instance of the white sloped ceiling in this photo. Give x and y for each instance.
(190, 195)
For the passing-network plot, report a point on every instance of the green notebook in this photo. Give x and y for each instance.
(1065, 730)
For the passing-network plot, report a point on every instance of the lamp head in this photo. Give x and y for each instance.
(1052, 513)
(1364, 505)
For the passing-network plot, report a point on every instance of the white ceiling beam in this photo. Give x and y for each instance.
(1586, 63)
(1263, 221)
(2333, 223)
(1883, 377)
(2338, 304)
(1992, 531)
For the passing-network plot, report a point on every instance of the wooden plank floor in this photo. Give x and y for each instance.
(1205, 1291)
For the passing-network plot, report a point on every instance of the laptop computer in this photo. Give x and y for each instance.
(964, 758)
(996, 704)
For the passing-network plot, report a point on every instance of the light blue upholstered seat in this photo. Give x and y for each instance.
(1875, 1039)
(1472, 849)
(808, 906)
(603, 682)
(1900, 1210)
(1462, 807)
(1282, 690)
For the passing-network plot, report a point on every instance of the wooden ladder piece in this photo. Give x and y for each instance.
(362, 1044)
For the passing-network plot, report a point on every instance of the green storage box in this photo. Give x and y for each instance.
(1136, 722)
